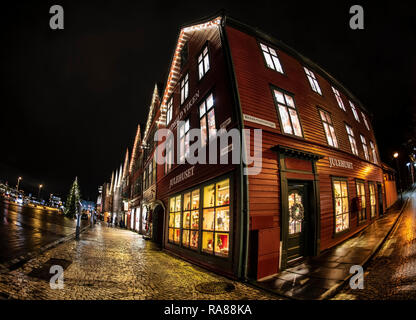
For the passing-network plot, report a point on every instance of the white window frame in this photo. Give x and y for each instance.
(184, 141)
(271, 58)
(365, 147)
(339, 99)
(373, 152)
(351, 138)
(203, 62)
(312, 81)
(354, 111)
(328, 128)
(365, 121)
(184, 88)
(206, 107)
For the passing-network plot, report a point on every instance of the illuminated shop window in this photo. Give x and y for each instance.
(361, 196)
(373, 204)
(190, 220)
(342, 213)
(329, 128)
(338, 97)
(175, 219)
(169, 111)
(203, 62)
(271, 58)
(354, 111)
(312, 81)
(365, 148)
(288, 114)
(207, 119)
(184, 141)
(365, 121)
(216, 218)
(184, 88)
(373, 152)
(352, 140)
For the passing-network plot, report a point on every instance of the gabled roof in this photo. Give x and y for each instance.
(126, 164)
(175, 65)
(154, 104)
(136, 148)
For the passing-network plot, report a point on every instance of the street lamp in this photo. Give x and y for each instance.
(396, 156)
(40, 187)
(18, 181)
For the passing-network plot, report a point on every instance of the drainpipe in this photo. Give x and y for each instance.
(244, 218)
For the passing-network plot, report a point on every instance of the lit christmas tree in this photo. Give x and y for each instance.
(72, 200)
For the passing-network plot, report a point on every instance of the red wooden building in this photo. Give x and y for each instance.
(320, 179)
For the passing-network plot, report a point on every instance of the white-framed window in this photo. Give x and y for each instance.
(339, 99)
(354, 111)
(169, 111)
(351, 138)
(184, 141)
(365, 148)
(184, 88)
(365, 121)
(288, 114)
(329, 128)
(271, 58)
(373, 152)
(207, 119)
(312, 81)
(203, 62)
(362, 213)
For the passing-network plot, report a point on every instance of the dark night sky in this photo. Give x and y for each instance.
(72, 98)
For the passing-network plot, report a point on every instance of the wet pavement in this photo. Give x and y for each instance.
(111, 263)
(321, 277)
(24, 229)
(391, 275)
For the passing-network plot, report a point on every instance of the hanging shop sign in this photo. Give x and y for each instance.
(182, 176)
(340, 163)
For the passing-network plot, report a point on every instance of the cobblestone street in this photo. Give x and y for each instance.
(109, 263)
(392, 273)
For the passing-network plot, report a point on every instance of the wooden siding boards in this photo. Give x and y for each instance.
(254, 81)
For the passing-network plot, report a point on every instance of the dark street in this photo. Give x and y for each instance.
(24, 229)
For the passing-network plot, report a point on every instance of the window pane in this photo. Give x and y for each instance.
(185, 238)
(187, 201)
(171, 232)
(279, 97)
(195, 199)
(334, 137)
(201, 70)
(195, 220)
(289, 101)
(208, 242)
(287, 128)
(206, 63)
(208, 219)
(295, 122)
(210, 101)
(209, 196)
(186, 220)
(223, 192)
(194, 239)
(177, 220)
(221, 244)
(203, 131)
(202, 109)
(222, 219)
(269, 61)
(172, 205)
(178, 204)
(171, 220)
(177, 235)
(211, 124)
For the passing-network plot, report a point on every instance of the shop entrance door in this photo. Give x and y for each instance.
(298, 221)
(380, 199)
(158, 218)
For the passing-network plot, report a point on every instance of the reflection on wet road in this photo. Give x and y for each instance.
(23, 229)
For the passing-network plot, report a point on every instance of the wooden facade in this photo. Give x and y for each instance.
(289, 210)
